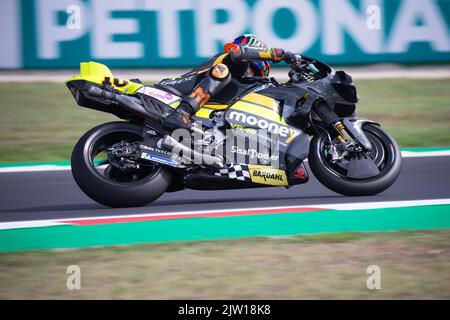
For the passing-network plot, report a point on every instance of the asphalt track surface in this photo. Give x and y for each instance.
(55, 195)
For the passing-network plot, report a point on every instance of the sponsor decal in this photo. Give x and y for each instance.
(261, 123)
(116, 82)
(173, 156)
(241, 127)
(169, 82)
(168, 153)
(268, 175)
(262, 134)
(254, 154)
(159, 159)
(161, 95)
(270, 126)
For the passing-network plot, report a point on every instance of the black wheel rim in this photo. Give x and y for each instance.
(106, 171)
(382, 154)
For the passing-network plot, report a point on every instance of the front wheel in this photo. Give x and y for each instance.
(108, 184)
(385, 155)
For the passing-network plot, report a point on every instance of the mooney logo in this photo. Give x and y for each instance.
(270, 126)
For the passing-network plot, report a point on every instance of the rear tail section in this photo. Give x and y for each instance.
(97, 75)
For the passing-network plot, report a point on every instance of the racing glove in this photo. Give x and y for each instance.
(240, 53)
(292, 58)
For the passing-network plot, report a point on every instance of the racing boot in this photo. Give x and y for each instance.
(180, 118)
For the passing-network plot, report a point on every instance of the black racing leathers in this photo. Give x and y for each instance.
(208, 79)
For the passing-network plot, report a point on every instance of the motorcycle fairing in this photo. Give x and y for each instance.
(93, 74)
(238, 176)
(206, 111)
(268, 175)
(256, 111)
(337, 89)
(265, 111)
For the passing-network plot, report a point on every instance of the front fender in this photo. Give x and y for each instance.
(354, 126)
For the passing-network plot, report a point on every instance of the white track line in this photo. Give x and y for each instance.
(385, 204)
(37, 168)
(29, 224)
(336, 206)
(34, 168)
(420, 154)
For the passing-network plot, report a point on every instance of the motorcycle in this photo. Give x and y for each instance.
(310, 117)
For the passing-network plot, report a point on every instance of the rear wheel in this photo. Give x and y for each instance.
(109, 184)
(385, 154)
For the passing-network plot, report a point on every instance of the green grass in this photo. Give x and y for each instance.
(414, 265)
(41, 121)
(415, 112)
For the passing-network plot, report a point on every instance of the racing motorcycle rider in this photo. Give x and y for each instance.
(245, 57)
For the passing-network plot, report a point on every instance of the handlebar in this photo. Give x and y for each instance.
(292, 59)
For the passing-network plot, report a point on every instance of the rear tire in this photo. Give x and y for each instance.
(100, 187)
(389, 171)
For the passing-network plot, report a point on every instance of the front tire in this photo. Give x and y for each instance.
(112, 188)
(387, 157)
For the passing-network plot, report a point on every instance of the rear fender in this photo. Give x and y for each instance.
(93, 74)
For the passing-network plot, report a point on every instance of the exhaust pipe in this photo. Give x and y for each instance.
(171, 143)
(131, 104)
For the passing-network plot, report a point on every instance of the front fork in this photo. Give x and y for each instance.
(348, 131)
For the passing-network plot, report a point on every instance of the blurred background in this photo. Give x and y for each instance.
(183, 33)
